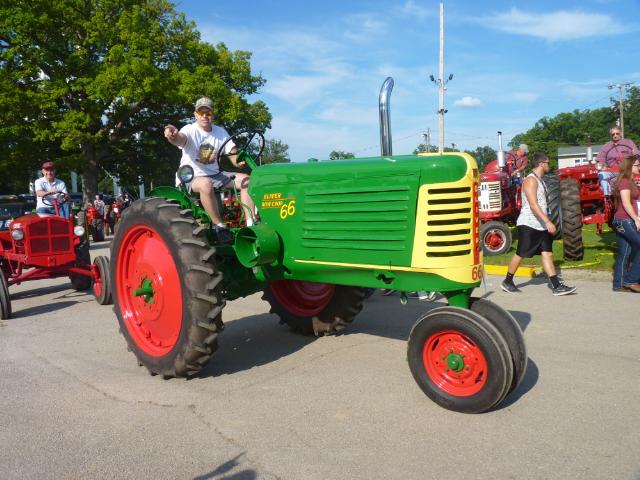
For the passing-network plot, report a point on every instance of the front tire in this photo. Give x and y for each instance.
(5, 300)
(314, 308)
(495, 238)
(459, 360)
(102, 287)
(83, 259)
(167, 290)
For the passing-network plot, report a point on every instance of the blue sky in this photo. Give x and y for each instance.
(513, 63)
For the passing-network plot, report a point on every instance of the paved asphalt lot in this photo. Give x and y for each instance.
(275, 405)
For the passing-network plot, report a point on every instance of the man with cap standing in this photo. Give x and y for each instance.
(199, 142)
(518, 160)
(610, 156)
(49, 184)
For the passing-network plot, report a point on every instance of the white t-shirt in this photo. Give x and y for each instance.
(41, 184)
(200, 150)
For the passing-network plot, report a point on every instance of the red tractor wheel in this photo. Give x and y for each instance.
(102, 285)
(5, 300)
(459, 360)
(166, 288)
(495, 238)
(318, 308)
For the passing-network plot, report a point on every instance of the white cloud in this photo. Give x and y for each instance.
(467, 102)
(557, 26)
(410, 9)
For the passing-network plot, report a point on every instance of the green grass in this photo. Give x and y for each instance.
(599, 251)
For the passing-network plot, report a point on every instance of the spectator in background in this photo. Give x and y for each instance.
(610, 156)
(49, 184)
(108, 219)
(98, 204)
(126, 200)
(626, 223)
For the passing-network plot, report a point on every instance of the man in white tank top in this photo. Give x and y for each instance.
(535, 229)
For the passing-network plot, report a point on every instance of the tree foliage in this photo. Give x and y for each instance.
(339, 154)
(275, 151)
(483, 155)
(91, 83)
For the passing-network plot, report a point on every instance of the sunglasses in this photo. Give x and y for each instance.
(205, 113)
(617, 134)
(49, 169)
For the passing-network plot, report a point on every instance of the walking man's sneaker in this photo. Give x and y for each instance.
(562, 289)
(509, 287)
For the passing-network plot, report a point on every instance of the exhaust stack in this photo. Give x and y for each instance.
(501, 161)
(385, 117)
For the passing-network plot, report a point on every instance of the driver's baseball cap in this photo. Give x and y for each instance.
(48, 166)
(524, 148)
(204, 102)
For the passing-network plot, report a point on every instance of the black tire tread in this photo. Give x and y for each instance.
(105, 297)
(571, 219)
(203, 322)
(5, 299)
(83, 258)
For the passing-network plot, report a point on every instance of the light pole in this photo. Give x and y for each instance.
(620, 86)
(441, 82)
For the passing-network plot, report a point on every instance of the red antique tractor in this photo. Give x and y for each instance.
(95, 222)
(500, 202)
(38, 246)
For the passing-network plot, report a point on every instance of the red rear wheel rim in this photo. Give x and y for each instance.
(303, 299)
(494, 239)
(455, 363)
(97, 284)
(153, 320)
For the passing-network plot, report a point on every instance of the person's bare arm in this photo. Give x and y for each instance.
(531, 190)
(625, 196)
(174, 136)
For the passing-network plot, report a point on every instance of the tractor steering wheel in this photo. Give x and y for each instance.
(49, 200)
(243, 152)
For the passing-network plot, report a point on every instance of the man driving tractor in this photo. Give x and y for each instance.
(199, 142)
(48, 184)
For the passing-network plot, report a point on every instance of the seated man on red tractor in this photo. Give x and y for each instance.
(610, 156)
(517, 160)
(49, 184)
(199, 142)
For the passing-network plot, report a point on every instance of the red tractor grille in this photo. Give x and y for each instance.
(50, 235)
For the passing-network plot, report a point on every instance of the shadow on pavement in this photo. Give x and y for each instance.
(225, 469)
(41, 309)
(37, 292)
(528, 382)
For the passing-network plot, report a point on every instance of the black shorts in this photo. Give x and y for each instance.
(533, 242)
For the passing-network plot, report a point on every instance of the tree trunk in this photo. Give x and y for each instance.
(90, 173)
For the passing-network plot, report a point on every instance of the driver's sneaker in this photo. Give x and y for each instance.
(225, 237)
(562, 289)
(509, 287)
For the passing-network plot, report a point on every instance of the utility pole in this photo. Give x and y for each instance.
(427, 140)
(441, 82)
(620, 86)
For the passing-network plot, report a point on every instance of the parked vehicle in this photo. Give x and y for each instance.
(327, 232)
(38, 246)
(10, 207)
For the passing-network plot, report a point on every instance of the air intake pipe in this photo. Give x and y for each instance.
(385, 117)
(501, 160)
(257, 245)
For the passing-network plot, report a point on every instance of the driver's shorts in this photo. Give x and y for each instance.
(220, 180)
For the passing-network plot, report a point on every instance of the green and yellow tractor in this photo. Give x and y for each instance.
(327, 232)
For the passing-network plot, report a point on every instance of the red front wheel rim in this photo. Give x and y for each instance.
(494, 240)
(149, 291)
(455, 363)
(303, 299)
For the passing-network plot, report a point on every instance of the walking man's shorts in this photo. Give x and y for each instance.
(532, 242)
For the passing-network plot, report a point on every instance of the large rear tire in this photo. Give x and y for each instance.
(167, 290)
(5, 300)
(552, 182)
(459, 360)
(83, 259)
(571, 219)
(314, 308)
(495, 238)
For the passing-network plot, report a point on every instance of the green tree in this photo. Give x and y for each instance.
(339, 154)
(422, 148)
(483, 155)
(91, 83)
(275, 151)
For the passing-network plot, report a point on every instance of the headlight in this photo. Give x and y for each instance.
(185, 173)
(78, 231)
(17, 234)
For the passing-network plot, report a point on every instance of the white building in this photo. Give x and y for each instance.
(576, 156)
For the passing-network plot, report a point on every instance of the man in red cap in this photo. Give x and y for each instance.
(49, 184)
